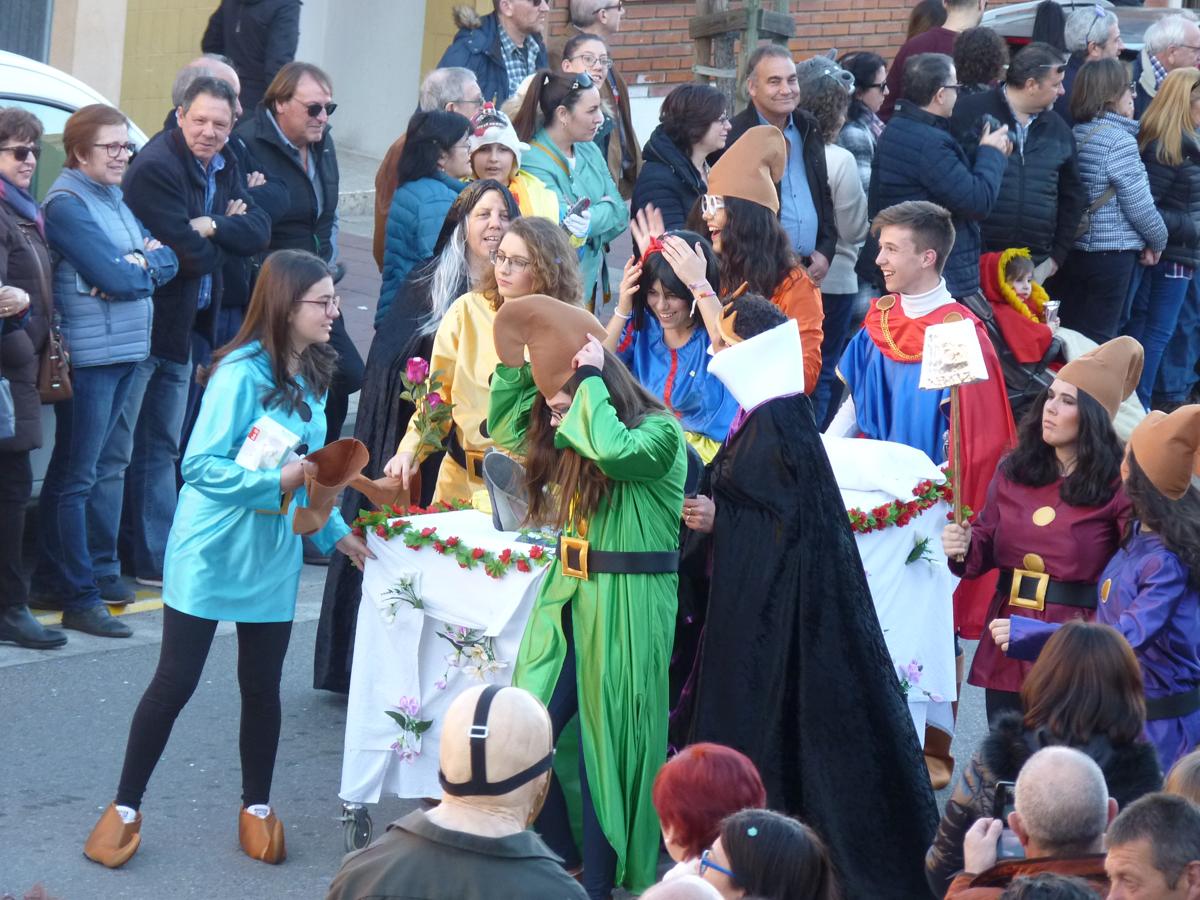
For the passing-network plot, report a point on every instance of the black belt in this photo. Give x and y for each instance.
(1173, 706)
(1033, 590)
(461, 455)
(577, 560)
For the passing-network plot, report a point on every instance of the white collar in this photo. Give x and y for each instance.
(917, 305)
(764, 367)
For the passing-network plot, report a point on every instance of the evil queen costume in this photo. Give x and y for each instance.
(793, 669)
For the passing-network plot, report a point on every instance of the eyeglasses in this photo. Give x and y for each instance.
(501, 259)
(582, 82)
(590, 59)
(114, 149)
(331, 304)
(882, 85)
(710, 203)
(314, 109)
(21, 153)
(956, 86)
(1059, 68)
(545, 3)
(619, 5)
(707, 863)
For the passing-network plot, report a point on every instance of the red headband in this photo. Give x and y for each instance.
(655, 245)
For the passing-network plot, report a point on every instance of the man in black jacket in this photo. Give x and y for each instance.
(289, 136)
(186, 187)
(805, 201)
(260, 37)
(1041, 196)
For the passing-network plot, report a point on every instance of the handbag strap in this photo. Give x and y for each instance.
(1110, 191)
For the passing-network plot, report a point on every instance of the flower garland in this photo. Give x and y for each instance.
(385, 524)
(926, 495)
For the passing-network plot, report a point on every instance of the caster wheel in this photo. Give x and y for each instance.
(357, 828)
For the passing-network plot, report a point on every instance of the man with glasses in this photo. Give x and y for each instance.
(1041, 197)
(602, 18)
(260, 36)
(502, 48)
(1173, 42)
(289, 134)
(1091, 32)
(451, 90)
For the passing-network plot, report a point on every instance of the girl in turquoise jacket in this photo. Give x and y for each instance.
(559, 118)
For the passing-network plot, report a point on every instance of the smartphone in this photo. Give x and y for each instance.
(580, 205)
(1004, 803)
(991, 123)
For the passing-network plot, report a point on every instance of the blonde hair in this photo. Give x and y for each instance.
(1168, 118)
(1184, 777)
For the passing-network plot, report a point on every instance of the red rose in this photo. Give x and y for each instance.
(439, 546)
(505, 555)
(477, 553)
(426, 532)
(522, 565)
(381, 530)
(537, 552)
(452, 542)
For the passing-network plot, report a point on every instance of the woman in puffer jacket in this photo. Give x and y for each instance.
(1085, 692)
(435, 161)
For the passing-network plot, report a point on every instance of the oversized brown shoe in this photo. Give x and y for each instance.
(262, 839)
(334, 466)
(112, 842)
(382, 492)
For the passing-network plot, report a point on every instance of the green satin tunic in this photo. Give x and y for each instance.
(623, 625)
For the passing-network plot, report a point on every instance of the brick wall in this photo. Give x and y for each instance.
(653, 47)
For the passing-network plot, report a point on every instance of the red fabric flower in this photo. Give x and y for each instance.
(505, 555)
(477, 553)
(381, 530)
(522, 565)
(537, 552)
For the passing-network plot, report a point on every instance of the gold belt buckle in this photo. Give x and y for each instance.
(575, 566)
(284, 504)
(1038, 601)
(475, 463)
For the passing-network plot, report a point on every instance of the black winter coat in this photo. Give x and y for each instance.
(814, 167)
(298, 226)
(24, 263)
(259, 36)
(1176, 191)
(1130, 771)
(164, 187)
(1041, 197)
(668, 180)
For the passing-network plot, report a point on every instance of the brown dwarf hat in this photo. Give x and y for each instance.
(552, 330)
(1107, 374)
(752, 167)
(1167, 448)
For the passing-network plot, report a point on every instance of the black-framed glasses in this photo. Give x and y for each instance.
(114, 148)
(590, 59)
(582, 82)
(314, 109)
(546, 3)
(619, 5)
(21, 152)
(332, 304)
(707, 863)
(501, 259)
(956, 86)
(882, 85)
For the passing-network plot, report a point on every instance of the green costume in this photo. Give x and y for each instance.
(623, 624)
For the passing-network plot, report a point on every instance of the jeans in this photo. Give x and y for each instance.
(1093, 288)
(151, 489)
(599, 858)
(262, 647)
(16, 486)
(84, 427)
(1177, 370)
(838, 310)
(1152, 320)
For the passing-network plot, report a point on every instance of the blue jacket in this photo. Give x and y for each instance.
(477, 47)
(918, 159)
(91, 231)
(418, 210)
(668, 180)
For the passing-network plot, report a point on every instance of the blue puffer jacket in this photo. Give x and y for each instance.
(918, 159)
(1108, 157)
(104, 300)
(476, 46)
(418, 210)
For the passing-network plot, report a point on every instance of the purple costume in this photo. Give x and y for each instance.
(1145, 594)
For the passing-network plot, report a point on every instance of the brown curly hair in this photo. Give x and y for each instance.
(828, 100)
(552, 260)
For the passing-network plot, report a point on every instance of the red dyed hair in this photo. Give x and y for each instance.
(699, 787)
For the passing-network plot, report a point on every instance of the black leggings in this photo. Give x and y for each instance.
(599, 859)
(186, 641)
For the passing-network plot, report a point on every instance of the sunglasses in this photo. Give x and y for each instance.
(22, 153)
(582, 82)
(882, 85)
(314, 109)
(710, 203)
(707, 863)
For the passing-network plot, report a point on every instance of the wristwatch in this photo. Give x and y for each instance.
(214, 224)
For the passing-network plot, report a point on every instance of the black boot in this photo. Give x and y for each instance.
(18, 626)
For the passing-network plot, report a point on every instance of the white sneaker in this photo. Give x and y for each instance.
(149, 582)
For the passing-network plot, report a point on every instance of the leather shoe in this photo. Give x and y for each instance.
(46, 600)
(262, 839)
(114, 591)
(112, 842)
(96, 620)
(18, 626)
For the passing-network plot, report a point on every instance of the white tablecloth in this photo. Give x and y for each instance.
(914, 601)
(406, 662)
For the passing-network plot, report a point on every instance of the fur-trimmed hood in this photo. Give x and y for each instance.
(466, 17)
(1130, 770)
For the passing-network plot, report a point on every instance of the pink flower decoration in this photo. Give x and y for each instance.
(417, 370)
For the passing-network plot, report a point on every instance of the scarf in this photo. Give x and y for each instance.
(24, 204)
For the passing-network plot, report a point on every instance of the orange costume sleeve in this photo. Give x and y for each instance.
(800, 299)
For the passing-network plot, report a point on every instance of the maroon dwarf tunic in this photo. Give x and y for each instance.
(1035, 529)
